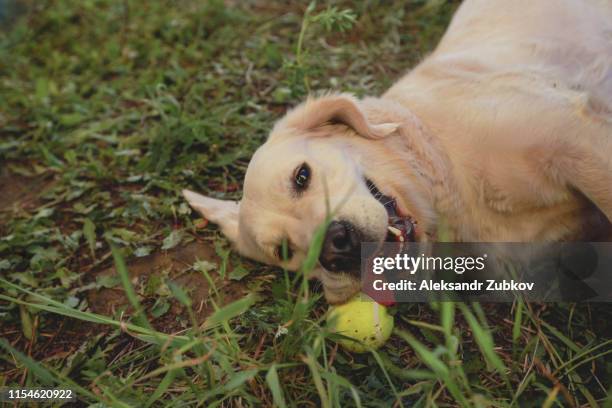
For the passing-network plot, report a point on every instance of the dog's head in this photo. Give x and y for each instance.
(323, 158)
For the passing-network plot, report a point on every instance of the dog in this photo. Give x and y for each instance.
(502, 134)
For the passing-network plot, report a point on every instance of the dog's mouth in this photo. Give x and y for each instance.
(400, 228)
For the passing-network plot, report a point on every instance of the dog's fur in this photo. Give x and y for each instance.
(504, 133)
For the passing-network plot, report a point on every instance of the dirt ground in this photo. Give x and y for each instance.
(19, 192)
(174, 264)
(61, 338)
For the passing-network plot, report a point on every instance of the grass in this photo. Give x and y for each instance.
(110, 108)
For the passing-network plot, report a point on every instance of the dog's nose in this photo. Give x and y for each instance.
(341, 248)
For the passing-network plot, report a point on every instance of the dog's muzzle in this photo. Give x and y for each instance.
(341, 248)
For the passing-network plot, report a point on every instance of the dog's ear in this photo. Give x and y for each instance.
(334, 109)
(221, 212)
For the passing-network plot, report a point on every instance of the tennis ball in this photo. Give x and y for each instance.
(361, 319)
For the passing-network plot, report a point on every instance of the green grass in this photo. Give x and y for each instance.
(110, 108)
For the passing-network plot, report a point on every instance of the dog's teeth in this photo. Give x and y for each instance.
(394, 231)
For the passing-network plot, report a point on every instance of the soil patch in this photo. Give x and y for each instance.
(16, 190)
(175, 265)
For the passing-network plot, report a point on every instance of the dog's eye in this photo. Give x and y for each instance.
(302, 177)
(283, 251)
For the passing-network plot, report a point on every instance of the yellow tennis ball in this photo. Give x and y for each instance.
(361, 319)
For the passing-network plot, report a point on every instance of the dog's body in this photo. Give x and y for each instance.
(515, 93)
(504, 133)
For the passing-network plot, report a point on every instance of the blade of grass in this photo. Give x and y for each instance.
(89, 230)
(312, 256)
(586, 360)
(424, 325)
(236, 380)
(26, 322)
(50, 377)
(435, 364)
(381, 364)
(447, 317)
(588, 396)
(551, 398)
(337, 379)
(573, 346)
(485, 343)
(162, 387)
(447, 320)
(139, 313)
(582, 354)
(311, 362)
(173, 367)
(230, 311)
(404, 374)
(137, 331)
(517, 323)
(275, 387)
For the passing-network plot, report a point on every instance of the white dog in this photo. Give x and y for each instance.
(504, 133)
